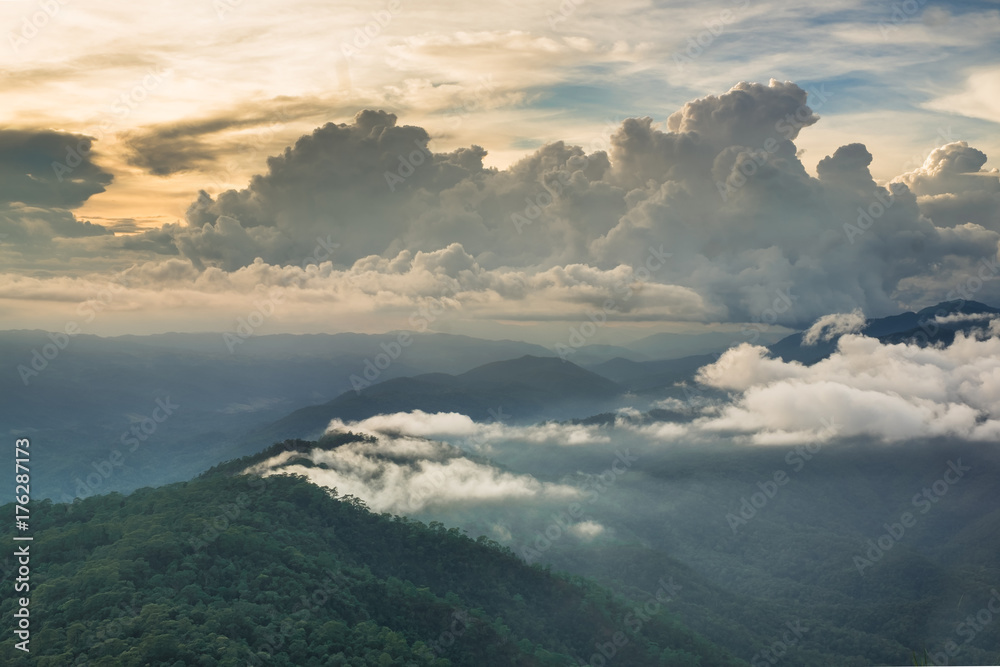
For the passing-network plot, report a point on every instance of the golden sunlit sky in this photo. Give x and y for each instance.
(182, 97)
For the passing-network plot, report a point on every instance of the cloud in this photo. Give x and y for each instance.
(587, 530)
(405, 475)
(48, 169)
(867, 390)
(980, 97)
(43, 174)
(721, 189)
(964, 317)
(953, 188)
(235, 136)
(709, 217)
(457, 427)
(829, 326)
(745, 115)
(891, 393)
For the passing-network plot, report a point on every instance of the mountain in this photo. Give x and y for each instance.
(525, 390)
(285, 573)
(924, 327)
(587, 355)
(84, 396)
(641, 376)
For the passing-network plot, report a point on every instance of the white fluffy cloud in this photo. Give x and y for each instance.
(953, 188)
(889, 393)
(405, 475)
(453, 426)
(865, 389)
(829, 326)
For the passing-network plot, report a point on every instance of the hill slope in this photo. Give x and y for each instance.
(240, 570)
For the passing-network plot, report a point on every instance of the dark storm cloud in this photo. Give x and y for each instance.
(47, 168)
(43, 174)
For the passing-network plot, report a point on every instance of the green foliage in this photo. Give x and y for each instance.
(236, 570)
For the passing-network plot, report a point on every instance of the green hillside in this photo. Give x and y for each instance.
(237, 570)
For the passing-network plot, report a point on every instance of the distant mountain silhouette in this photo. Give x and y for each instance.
(920, 328)
(524, 390)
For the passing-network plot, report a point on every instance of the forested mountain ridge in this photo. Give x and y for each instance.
(236, 570)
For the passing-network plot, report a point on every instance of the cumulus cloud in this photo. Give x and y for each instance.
(709, 216)
(405, 475)
(890, 393)
(953, 188)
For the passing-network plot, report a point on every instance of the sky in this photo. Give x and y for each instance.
(510, 170)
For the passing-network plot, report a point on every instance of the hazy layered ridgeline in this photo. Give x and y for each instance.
(845, 535)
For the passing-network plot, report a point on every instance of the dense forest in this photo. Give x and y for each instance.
(237, 570)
